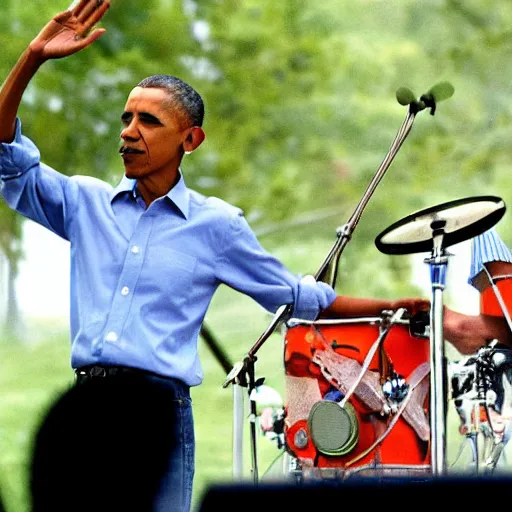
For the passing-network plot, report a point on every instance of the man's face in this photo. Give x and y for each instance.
(153, 136)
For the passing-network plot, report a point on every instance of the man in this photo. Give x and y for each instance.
(147, 256)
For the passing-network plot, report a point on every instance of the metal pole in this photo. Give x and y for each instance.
(438, 264)
(238, 431)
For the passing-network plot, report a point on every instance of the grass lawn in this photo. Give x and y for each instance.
(32, 374)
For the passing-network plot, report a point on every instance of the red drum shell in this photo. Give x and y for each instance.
(401, 446)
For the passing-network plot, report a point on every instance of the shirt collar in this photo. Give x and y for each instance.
(179, 194)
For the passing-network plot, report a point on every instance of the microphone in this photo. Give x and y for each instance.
(405, 96)
(441, 91)
(437, 93)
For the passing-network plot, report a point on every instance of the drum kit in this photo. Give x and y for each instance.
(370, 396)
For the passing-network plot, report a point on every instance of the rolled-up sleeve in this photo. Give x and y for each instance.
(312, 296)
(32, 188)
(18, 156)
(246, 266)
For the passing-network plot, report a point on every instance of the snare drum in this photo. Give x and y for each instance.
(325, 429)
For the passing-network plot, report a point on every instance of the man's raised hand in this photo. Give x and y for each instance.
(70, 31)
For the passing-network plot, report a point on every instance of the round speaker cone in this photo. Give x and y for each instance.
(334, 429)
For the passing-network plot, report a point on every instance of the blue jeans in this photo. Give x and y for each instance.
(175, 493)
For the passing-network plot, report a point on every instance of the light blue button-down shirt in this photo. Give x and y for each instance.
(142, 279)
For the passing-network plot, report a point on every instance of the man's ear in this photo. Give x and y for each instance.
(194, 139)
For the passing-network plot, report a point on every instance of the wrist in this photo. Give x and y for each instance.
(33, 56)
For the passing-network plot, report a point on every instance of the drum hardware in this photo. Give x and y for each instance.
(395, 389)
(417, 377)
(389, 319)
(481, 388)
(435, 229)
(328, 270)
(419, 324)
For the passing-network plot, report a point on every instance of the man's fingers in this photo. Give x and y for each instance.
(96, 15)
(95, 34)
(62, 17)
(77, 6)
(90, 8)
(85, 9)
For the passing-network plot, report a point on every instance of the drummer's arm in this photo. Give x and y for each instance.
(344, 306)
(467, 333)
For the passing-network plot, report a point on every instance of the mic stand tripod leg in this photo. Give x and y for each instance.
(249, 364)
(238, 431)
(242, 376)
(237, 377)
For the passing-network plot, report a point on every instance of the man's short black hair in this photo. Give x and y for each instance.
(183, 96)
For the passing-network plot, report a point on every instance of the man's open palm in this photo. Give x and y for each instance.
(71, 30)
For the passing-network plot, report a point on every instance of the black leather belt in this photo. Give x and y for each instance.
(97, 371)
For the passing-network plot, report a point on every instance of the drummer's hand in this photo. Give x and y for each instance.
(412, 304)
(70, 31)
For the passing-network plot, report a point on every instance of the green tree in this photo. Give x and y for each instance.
(300, 107)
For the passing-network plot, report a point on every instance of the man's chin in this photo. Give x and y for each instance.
(131, 173)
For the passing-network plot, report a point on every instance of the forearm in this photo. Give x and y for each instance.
(354, 306)
(467, 333)
(12, 92)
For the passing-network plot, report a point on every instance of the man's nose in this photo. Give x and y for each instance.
(130, 132)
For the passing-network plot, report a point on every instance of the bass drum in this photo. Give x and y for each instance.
(357, 398)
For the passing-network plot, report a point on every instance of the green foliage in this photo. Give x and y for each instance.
(300, 102)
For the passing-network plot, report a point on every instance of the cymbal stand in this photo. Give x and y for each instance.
(438, 269)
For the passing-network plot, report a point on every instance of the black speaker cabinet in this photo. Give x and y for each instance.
(366, 493)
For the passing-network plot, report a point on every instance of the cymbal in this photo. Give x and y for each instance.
(459, 220)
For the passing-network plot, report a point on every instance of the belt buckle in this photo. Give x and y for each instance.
(98, 371)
